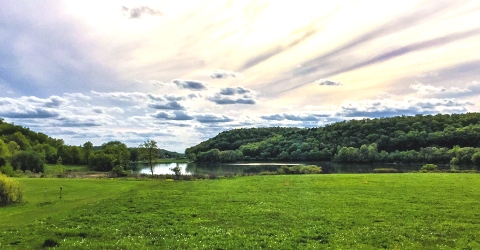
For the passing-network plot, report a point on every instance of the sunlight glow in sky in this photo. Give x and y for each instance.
(180, 72)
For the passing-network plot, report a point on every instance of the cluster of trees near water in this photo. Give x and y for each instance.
(23, 149)
(441, 138)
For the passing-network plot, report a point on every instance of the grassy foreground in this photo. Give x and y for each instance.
(358, 211)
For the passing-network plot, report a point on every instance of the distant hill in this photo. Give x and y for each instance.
(387, 135)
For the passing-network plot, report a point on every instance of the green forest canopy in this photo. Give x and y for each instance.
(441, 138)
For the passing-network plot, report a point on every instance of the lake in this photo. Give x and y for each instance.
(255, 168)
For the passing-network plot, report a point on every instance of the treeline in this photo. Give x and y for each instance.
(23, 149)
(441, 138)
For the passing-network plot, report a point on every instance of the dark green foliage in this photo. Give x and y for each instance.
(134, 155)
(119, 151)
(476, 159)
(29, 160)
(402, 139)
(100, 161)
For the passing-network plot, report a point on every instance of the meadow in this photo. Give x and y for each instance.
(338, 211)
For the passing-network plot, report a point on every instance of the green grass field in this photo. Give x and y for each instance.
(340, 211)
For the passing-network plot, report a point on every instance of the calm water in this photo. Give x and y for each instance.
(255, 168)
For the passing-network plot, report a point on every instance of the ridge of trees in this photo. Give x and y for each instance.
(405, 139)
(23, 149)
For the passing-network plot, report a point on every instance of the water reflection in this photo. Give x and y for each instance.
(161, 168)
(221, 169)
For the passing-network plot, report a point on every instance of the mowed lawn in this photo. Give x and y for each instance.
(338, 211)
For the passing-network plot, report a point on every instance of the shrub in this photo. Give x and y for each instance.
(119, 171)
(10, 191)
(19, 173)
(311, 169)
(429, 167)
(283, 170)
(299, 169)
(177, 170)
(7, 170)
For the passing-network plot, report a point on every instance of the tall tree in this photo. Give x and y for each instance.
(148, 151)
(87, 151)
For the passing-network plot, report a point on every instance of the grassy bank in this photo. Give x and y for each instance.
(361, 211)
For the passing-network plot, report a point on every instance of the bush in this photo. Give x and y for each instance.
(7, 170)
(299, 169)
(429, 167)
(10, 191)
(311, 169)
(119, 171)
(177, 170)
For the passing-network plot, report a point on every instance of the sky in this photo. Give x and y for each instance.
(180, 72)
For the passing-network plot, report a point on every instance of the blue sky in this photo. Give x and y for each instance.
(180, 72)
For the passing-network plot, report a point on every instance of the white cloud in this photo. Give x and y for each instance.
(97, 71)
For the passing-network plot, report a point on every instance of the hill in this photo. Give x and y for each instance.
(387, 139)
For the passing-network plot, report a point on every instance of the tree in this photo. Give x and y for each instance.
(148, 151)
(4, 152)
(29, 160)
(87, 151)
(192, 157)
(21, 140)
(134, 155)
(99, 161)
(119, 150)
(13, 147)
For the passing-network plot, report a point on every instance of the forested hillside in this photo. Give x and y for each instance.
(441, 138)
(23, 149)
